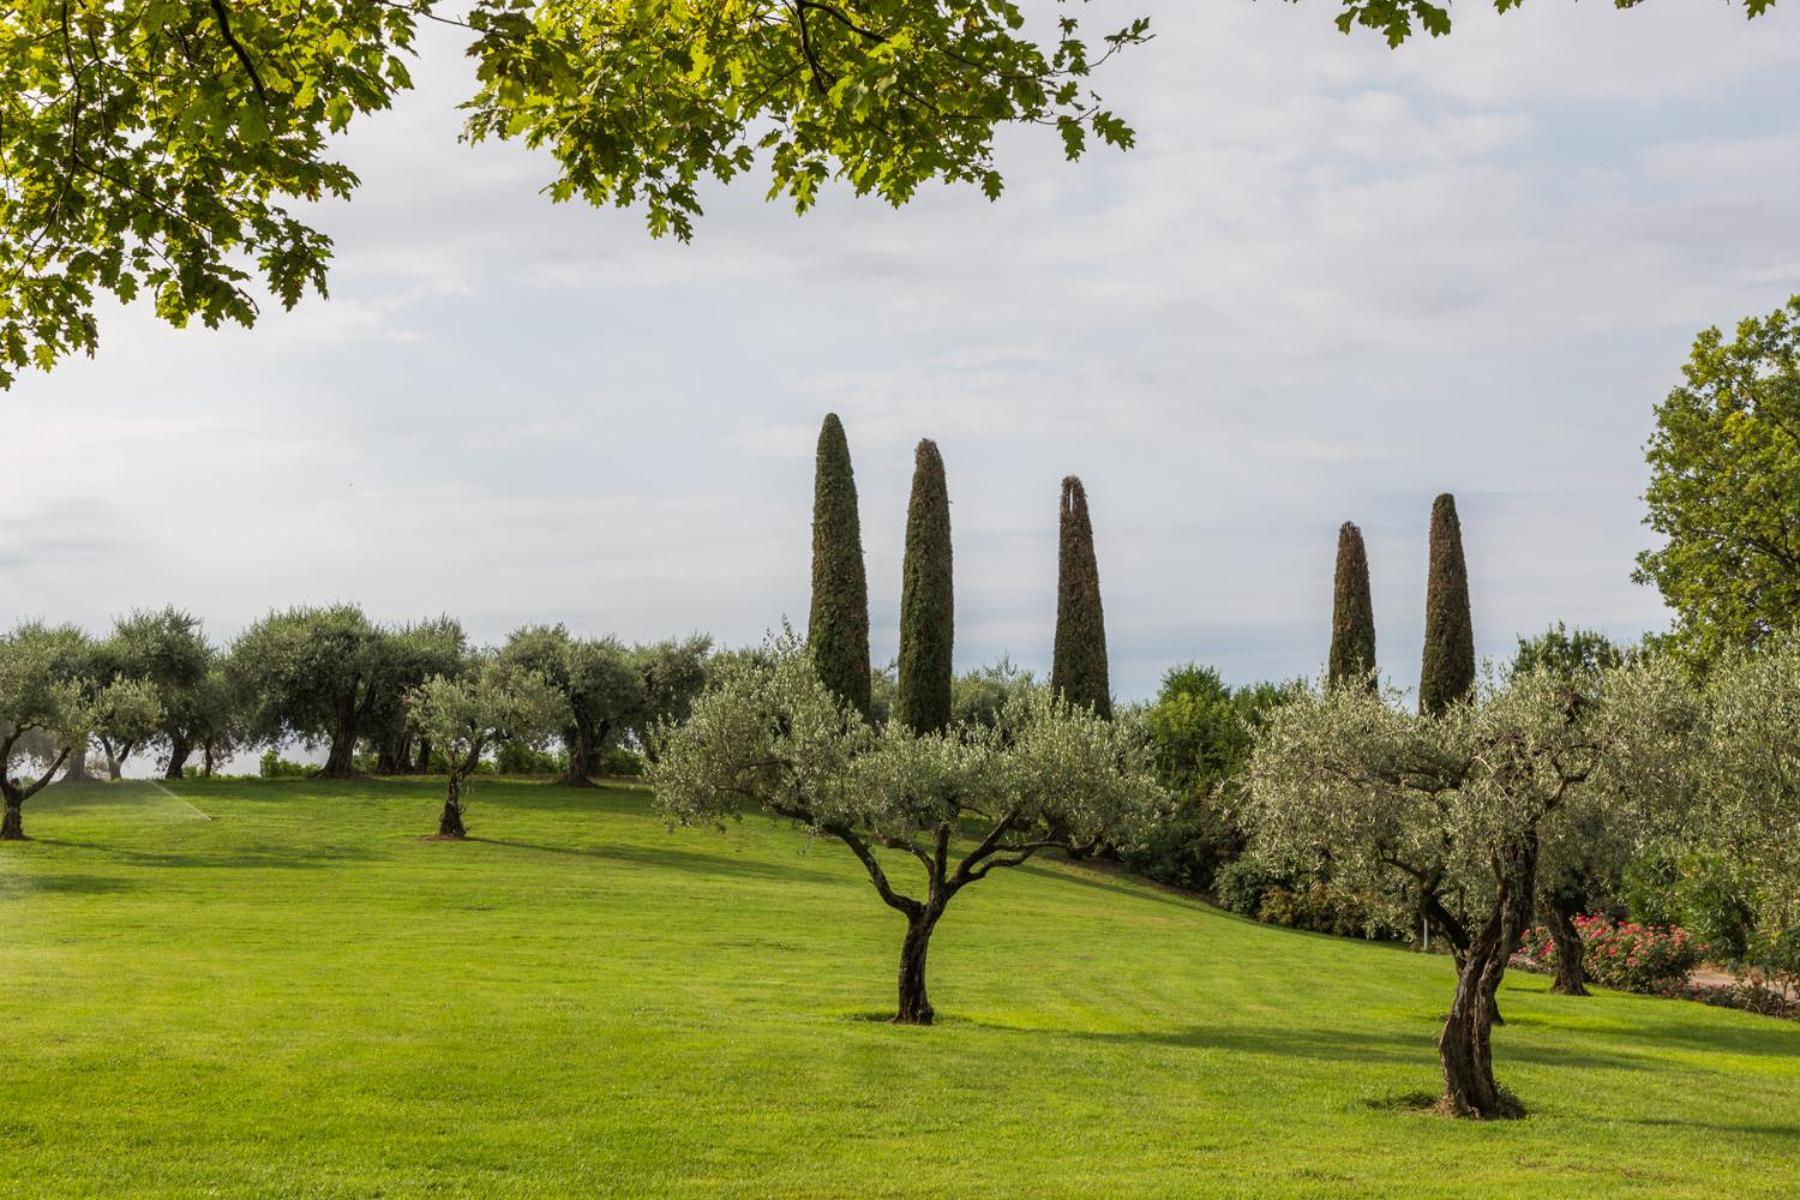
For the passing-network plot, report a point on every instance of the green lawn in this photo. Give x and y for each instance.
(300, 997)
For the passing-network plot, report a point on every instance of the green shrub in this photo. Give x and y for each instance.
(517, 758)
(273, 766)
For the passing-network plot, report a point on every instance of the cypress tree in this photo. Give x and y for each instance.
(927, 606)
(838, 628)
(1352, 613)
(1078, 666)
(1447, 672)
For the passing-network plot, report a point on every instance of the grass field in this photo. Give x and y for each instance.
(299, 997)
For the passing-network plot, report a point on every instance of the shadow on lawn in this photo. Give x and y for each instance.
(1340, 1045)
(680, 860)
(229, 858)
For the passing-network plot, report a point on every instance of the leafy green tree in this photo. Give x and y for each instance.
(1201, 734)
(216, 722)
(1352, 656)
(771, 736)
(1725, 488)
(927, 602)
(601, 689)
(167, 650)
(838, 629)
(50, 701)
(411, 654)
(1744, 806)
(169, 148)
(1447, 670)
(1398, 20)
(671, 675)
(466, 715)
(978, 697)
(1341, 775)
(1078, 669)
(316, 675)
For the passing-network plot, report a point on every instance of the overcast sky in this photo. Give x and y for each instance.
(1331, 282)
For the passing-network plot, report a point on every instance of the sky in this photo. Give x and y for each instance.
(1332, 281)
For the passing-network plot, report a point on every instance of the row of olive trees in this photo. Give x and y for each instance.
(327, 678)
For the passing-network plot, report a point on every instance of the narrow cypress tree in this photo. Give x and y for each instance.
(927, 606)
(1078, 667)
(1352, 613)
(838, 628)
(1447, 672)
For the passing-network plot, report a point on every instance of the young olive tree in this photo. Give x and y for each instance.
(466, 715)
(1479, 789)
(50, 705)
(770, 735)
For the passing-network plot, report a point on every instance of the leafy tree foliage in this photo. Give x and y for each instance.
(838, 629)
(1352, 656)
(978, 697)
(1447, 670)
(1486, 787)
(1725, 488)
(609, 691)
(163, 147)
(1398, 20)
(410, 654)
(770, 735)
(317, 675)
(1201, 734)
(927, 602)
(1741, 832)
(1078, 669)
(467, 715)
(51, 700)
(167, 650)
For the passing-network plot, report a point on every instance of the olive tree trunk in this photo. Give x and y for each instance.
(1464, 1046)
(450, 821)
(180, 747)
(584, 758)
(1571, 978)
(12, 827)
(915, 1006)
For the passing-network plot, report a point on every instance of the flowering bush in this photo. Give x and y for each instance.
(1628, 956)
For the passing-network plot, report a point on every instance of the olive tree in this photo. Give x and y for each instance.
(601, 689)
(49, 705)
(1479, 790)
(410, 655)
(314, 674)
(959, 802)
(466, 715)
(167, 650)
(1745, 803)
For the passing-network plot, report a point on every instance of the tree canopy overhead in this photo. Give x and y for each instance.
(159, 148)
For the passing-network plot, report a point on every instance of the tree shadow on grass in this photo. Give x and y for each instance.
(75, 885)
(1770, 1130)
(234, 858)
(679, 860)
(1342, 1045)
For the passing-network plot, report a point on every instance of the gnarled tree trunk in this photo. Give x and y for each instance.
(584, 758)
(340, 763)
(450, 822)
(1571, 979)
(915, 1007)
(1464, 1046)
(12, 826)
(180, 747)
(422, 765)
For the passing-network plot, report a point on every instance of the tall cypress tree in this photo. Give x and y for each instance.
(1447, 672)
(838, 628)
(1078, 667)
(927, 606)
(1352, 613)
